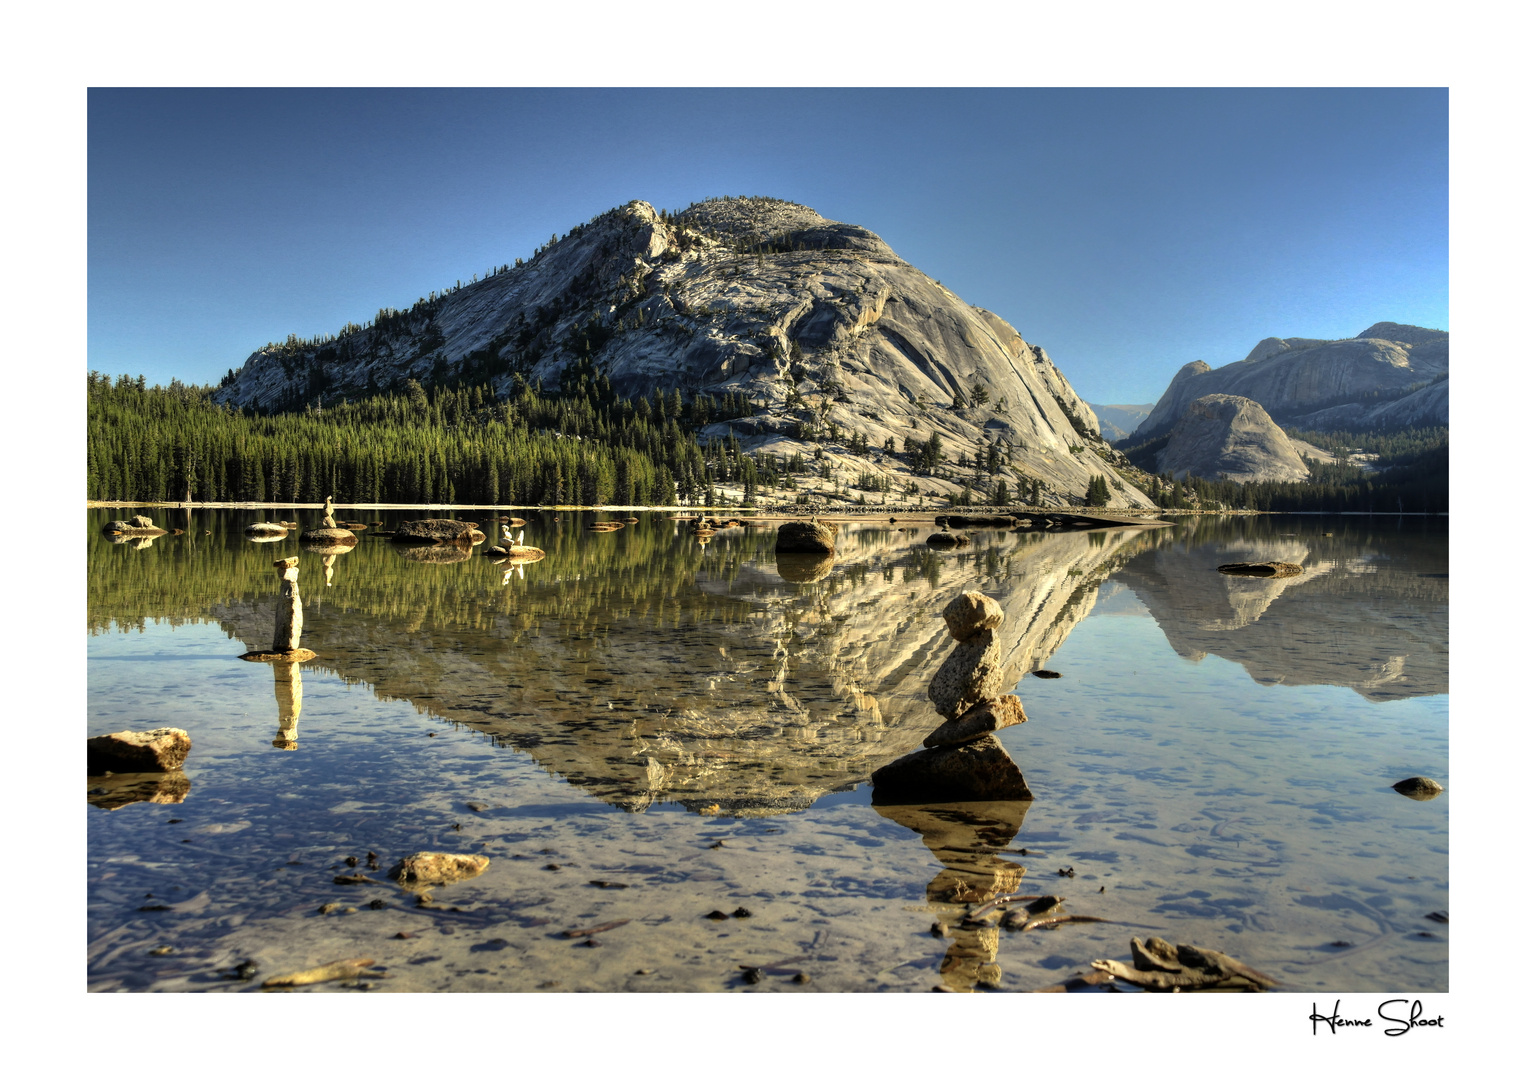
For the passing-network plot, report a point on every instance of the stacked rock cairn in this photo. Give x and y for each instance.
(962, 760)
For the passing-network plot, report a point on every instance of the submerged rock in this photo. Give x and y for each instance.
(437, 868)
(972, 673)
(803, 567)
(267, 528)
(1421, 788)
(806, 536)
(121, 789)
(980, 770)
(948, 540)
(970, 613)
(1266, 569)
(159, 750)
(980, 719)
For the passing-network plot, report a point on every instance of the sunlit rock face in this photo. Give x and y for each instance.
(818, 322)
(1328, 625)
(1302, 380)
(1222, 437)
(647, 669)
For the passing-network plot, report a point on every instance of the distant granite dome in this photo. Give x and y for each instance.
(1223, 437)
(816, 323)
(1299, 380)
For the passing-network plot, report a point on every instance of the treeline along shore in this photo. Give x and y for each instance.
(584, 446)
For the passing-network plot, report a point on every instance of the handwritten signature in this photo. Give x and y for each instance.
(1395, 1024)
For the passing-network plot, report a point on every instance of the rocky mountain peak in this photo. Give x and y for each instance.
(830, 338)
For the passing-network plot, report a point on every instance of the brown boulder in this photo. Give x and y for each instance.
(433, 531)
(970, 613)
(980, 719)
(948, 540)
(971, 772)
(1421, 788)
(806, 536)
(972, 673)
(160, 750)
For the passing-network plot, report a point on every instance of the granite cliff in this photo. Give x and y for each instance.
(1391, 375)
(1223, 437)
(816, 324)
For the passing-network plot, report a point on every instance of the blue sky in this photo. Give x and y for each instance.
(1127, 232)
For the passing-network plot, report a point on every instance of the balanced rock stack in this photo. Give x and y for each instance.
(962, 761)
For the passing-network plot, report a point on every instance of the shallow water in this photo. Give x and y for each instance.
(695, 726)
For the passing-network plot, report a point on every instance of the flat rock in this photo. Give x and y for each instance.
(970, 613)
(980, 770)
(159, 750)
(972, 673)
(437, 868)
(980, 719)
(328, 536)
(1421, 788)
(266, 528)
(433, 530)
(806, 536)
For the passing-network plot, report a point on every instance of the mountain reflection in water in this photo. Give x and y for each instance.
(637, 670)
(642, 668)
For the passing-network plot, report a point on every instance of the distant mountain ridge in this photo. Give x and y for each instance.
(1118, 421)
(825, 339)
(1391, 375)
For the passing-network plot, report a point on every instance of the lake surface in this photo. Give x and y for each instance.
(641, 727)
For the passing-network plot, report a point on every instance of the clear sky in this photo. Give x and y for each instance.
(1127, 232)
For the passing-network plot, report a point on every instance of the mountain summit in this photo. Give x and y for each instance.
(822, 337)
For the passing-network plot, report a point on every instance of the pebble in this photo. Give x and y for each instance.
(741, 913)
(326, 909)
(751, 975)
(717, 915)
(163, 950)
(801, 977)
(377, 905)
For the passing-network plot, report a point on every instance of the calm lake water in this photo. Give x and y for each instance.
(643, 728)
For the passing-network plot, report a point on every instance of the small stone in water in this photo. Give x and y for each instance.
(801, 977)
(477, 806)
(326, 909)
(717, 915)
(741, 913)
(351, 860)
(163, 950)
(247, 970)
(751, 975)
(377, 905)
(552, 866)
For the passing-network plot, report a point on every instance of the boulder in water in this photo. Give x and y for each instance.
(808, 537)
(158, 750)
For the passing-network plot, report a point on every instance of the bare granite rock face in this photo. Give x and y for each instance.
(1302, 380)
(976, 770)
(970, 613)
(980, 719)
(158, 750)
(972, 673)
(437, 868)
(817, 322)
(1222, 437)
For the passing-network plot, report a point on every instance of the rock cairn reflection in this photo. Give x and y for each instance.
(962, 760)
